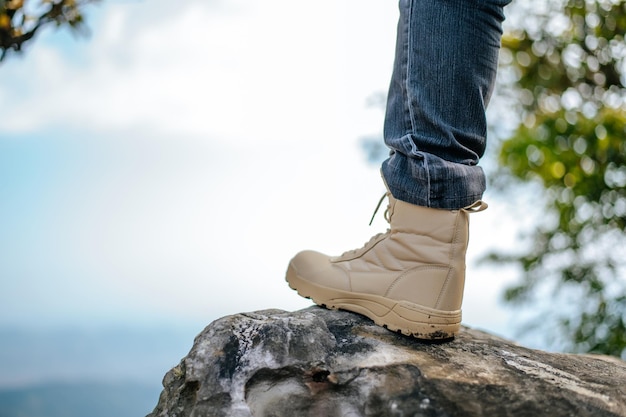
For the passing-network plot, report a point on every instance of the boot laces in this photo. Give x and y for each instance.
(386, 214)
(376, 236)
(366, 245)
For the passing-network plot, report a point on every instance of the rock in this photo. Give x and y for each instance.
(322, 363)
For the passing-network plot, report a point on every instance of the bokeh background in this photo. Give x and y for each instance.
(160, 172)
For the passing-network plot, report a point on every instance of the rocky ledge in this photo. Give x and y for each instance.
(321, 363)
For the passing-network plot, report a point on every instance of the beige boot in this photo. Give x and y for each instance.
(409, 279)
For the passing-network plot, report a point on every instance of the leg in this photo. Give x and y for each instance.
(411, 278)
(445, 67)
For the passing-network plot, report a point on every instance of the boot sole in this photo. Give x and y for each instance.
(399, 316)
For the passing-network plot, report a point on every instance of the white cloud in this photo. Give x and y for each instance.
(223, 139)
(258, 70)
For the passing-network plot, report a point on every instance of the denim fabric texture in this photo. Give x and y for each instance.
(435, 125)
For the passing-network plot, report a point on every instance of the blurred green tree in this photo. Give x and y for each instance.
(562, 79)
(21, 20)
(564, 64)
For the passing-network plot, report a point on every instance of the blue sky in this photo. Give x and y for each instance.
(168, 166)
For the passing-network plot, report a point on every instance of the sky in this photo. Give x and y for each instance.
(167, 167)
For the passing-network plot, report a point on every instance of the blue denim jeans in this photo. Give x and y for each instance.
(444, 72)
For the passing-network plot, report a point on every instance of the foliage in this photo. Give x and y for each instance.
(565, 66)
(20, 20)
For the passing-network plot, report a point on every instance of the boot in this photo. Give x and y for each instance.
(409, 279)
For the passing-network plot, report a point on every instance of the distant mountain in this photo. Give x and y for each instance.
(43, 371)
(88, 399)
(113, 353)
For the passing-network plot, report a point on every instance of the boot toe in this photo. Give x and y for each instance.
(317, 269)
(309, 263)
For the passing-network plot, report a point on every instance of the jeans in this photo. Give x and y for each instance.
(444, 71)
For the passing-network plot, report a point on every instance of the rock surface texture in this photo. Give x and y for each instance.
(321, 363)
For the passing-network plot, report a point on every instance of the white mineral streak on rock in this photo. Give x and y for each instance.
(251, 358)
(383, 356)
(556, 377)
